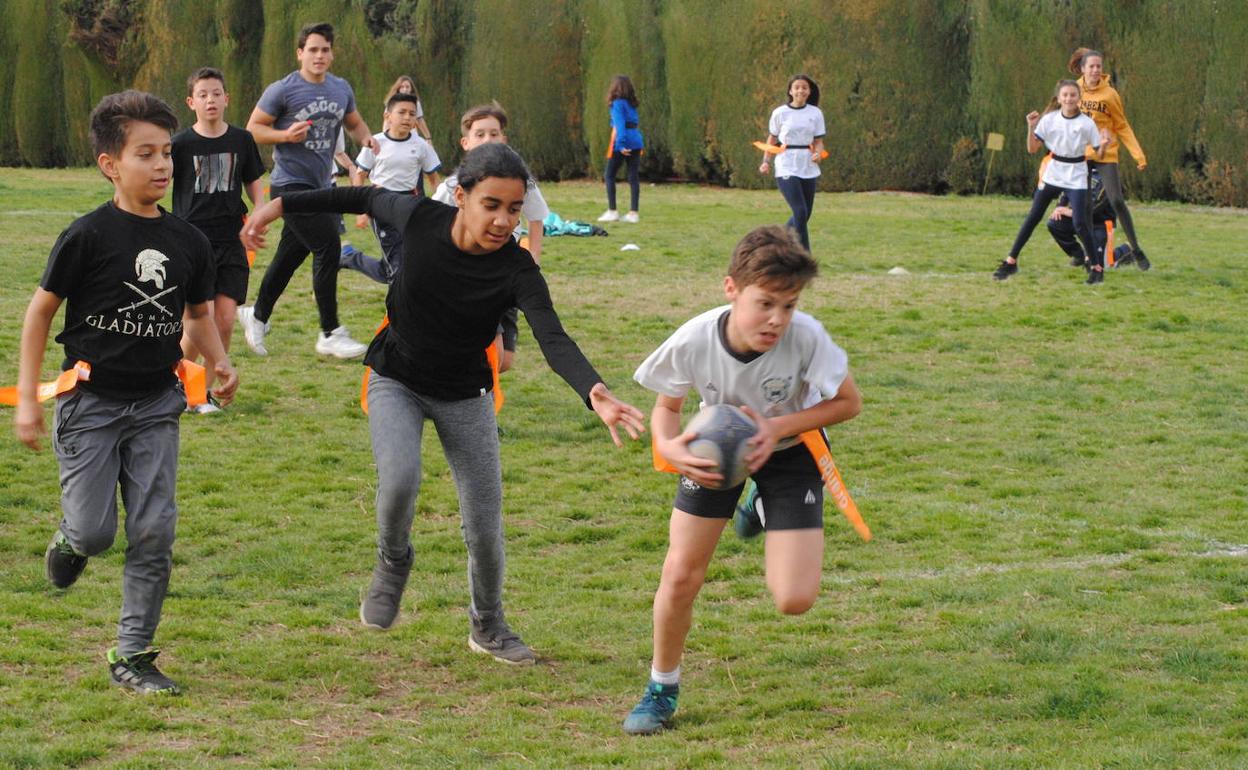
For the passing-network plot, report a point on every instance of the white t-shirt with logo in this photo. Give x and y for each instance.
(1068, 137)
(796, 126)
(398, 163)
(804, 368)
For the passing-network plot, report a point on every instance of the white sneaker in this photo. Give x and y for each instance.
(253, 329)
(339, 344)
(204, 408)
(610, 215)
(632, 217)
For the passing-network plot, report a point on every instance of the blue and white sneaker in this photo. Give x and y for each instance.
(750, 518)
(654, 712)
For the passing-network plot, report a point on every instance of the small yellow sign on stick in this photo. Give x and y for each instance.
(995, 142)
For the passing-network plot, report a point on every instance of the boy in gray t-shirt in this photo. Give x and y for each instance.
(301, 115)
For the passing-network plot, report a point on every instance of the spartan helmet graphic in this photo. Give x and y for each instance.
(150, 266)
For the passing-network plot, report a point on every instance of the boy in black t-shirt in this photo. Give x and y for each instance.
(213, 162)
(132, 277)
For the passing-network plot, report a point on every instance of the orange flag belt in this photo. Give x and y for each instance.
(776, 149)
(818, 448)
(193, 377)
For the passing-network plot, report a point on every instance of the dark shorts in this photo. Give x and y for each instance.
(232, 269)
(789, 487)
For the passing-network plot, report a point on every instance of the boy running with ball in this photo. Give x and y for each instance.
(781, 367)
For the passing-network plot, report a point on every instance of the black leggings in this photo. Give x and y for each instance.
(633, 160)
(1079, 207)
(302, 233)
(1113, 191)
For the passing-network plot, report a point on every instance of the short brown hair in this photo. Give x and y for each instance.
(324, 29)
(111, 119)
(204, 73)
(773, 256)
(491, 110)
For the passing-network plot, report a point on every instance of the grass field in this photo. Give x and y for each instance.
(1054, 474)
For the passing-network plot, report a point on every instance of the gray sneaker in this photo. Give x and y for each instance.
(380, 607)
(499, 640)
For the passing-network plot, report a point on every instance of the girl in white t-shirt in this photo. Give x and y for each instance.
(1067, 133)
(797, 126)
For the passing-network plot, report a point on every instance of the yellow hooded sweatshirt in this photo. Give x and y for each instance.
(1104, 105)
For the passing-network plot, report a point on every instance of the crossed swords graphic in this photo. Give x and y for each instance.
(147, 300)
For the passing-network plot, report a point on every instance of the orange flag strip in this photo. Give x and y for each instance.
(1109, 243)
(491, 353)
(818, 448)
(611, 144)
(776, 149)
(193, 377)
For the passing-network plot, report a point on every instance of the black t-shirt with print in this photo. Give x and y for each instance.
(208, 178)
(125, 280)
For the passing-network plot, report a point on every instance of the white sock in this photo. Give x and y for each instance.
(669, 677)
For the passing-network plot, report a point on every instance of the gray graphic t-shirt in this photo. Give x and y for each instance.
(293, 99)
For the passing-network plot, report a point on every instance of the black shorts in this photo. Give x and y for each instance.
(789, 487)
(232, 269)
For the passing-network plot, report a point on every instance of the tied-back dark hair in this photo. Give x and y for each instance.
(491, 160)
(324, 29)
(813, 99)
(1075, 65)
(772, 256)
(621, 88)
(111, 119)
(204, 73)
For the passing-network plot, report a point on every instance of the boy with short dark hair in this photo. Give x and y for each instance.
(131, 277)
(781, 367)
(480, 125)
(213, 162)
(400, 164)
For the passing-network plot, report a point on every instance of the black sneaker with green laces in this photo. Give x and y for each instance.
(62, 563)
(748, 521)
(139, 673)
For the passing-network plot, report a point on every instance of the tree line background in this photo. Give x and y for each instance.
(909, 87)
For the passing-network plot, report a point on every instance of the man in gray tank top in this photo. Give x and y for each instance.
(300, 115)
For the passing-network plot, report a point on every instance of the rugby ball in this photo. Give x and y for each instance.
(722, 431)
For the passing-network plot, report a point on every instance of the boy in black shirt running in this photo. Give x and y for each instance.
(131, 277)
(213, 162)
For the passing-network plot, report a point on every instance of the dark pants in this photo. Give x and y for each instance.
(1063, 232)
(800, 195)
(1113, 191)
(633, 159)
(1039, 207)
(301, 234)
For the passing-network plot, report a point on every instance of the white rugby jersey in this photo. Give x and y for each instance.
(398, 163)
(534, 206)
(804, 368)
(796, 127)
(1067, 137)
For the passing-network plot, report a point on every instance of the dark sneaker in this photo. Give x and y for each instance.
(499, 640)
(380, 607)
(1095, 276)
(748, 522)
(1123, 256)
(62, 563)
(1077, 260)
(654, 712)
(139, 673)
(1141, 261)
(1004, 270)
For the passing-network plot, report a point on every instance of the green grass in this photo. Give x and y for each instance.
(1054, 475)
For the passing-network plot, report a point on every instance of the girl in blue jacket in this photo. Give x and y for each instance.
(625, 148)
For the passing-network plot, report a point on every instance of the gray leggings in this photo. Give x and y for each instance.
(469, 436)
(1113, 191)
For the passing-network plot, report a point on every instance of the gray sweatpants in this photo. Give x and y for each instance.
(102, 443)
(469, 436)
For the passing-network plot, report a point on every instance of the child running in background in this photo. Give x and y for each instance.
(461, 270)
(398, 166)
(781, 367)
(213, 163)
(132, 278)
(406, 85)
(1101, 102)
(799, 127)
(485, 124)
(1067, 133)
(625, 148)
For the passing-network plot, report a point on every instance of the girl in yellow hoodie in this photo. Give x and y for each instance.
(1103, 104)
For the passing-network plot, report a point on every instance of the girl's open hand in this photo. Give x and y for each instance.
(612, 411)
